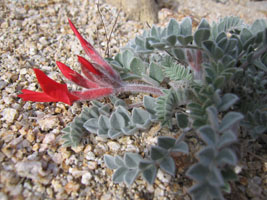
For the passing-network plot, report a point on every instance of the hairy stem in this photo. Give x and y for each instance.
(140, 88)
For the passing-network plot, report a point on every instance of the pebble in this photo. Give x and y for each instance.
(113, 146)
(72, 187)
(9, 114)
(90, 156)
(86, 177)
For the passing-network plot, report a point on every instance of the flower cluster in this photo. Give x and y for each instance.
(99, 80)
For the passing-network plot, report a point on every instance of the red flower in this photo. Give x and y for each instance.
(100, 80)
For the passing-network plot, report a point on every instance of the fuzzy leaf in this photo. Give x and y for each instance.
(150, 171)
(168, 165)
(198, 172)
(131, 160)
(182, 120)
(137, 66)
(140, 116)
(228, 100)
(226, 156)
(117, 121)
(173, 27)
(119, 161)
(207, 134)
(113, 133)
(110, 162)
(157, 153)
(166, 142)
(206, 155)
(180, 147)
(130, 176)
(186, 26)
(201, 35)
(229, 120)
(171, 39)
(227, 138)
(91, 125)
(119, 174)
(149, 104)
(155, 72)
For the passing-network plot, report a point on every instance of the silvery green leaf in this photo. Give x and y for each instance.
(258, 25)
(146, 78)
(215, 177)
(185, 40)
(186, 26)
(228, 100)
(179, 53)
(206, 155)
(127, 57)
(226, 156)
(149, 174)
(229, 120)
(117, 121)
(171, 39)
(97, 104)
(137, 66)
(173, 27)
(157, 153)
(131, 160)
(201, 35)
(219, 81)
(110, 162)
(144, 164)
(130, 176)
(120, 102)
(129, 130)
(155, 72)
(125, 114)
(91, 125)
(168, 165)
(149, 104)
(93, 112)
(229, 174)
(140, 116)
(119, 174)
(154, 32)
(105, 109)
(182, 120)
(113, 133)
(199, 191)
(66, 130)
(213, 117)
(180, 147)
(103, 133)
(119, 161)
(166, 142)
(207, 134)
(198, 172)
(227, 138)
(245, 35)
(103, 122)
(139, 41)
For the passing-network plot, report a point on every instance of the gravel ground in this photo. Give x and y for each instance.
(34, 165)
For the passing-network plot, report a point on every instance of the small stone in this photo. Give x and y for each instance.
(90, 156)
(114, 146)
(77, 149)
(106, 196)
(163, 177)
(49, 138)
(56, 185)
(86, 178)
(88, 148)
(48, 122)
(92, 165)
(36, 147)
(9, 114)
(72, 187)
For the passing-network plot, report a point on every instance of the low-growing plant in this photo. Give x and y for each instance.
(211, 82)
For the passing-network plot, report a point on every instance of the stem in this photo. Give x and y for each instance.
(140, 88)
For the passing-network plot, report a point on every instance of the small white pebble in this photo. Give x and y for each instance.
(9, 114)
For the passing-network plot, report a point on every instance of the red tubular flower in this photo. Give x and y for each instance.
(100, 80)
(53, 91)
